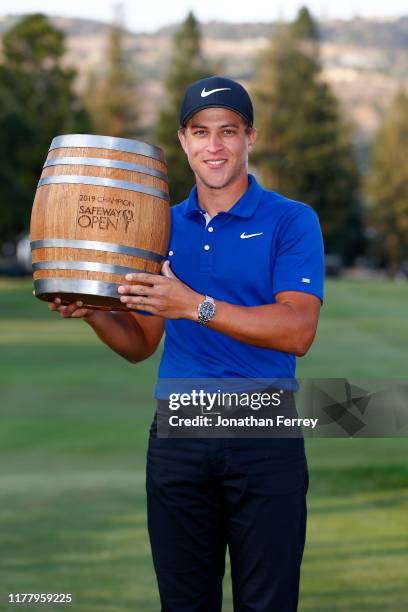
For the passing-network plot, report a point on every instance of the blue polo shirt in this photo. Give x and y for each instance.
(265, 244)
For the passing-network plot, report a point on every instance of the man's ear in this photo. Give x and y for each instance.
(252, 138)
(182, 138)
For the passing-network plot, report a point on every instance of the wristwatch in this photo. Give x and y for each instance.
(206, 310)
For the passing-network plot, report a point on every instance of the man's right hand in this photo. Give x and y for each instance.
(75, 310)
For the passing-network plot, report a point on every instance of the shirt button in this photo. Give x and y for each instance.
(206, 247)
(171, 252)
(210, 229)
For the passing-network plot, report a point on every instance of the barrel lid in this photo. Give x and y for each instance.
(108, 142)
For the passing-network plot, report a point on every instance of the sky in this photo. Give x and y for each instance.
(158, 13)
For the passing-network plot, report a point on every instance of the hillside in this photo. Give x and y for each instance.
(364, 60)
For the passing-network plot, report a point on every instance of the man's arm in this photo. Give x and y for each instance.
(132, 335)
(289, 325)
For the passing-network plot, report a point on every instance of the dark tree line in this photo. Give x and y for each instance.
(37, 101)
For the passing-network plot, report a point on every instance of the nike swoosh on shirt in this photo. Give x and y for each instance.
(244, 235)
(204, 93)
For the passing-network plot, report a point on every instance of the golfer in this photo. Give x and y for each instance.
(239, 297)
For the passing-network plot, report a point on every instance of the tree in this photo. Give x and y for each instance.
(37, 102)
(186, 65)
(304, 147)
(387, 185)
(304, 28)
(112, 97)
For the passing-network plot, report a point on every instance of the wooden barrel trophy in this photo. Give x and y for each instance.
(101, 210)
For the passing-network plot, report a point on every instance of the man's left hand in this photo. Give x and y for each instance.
(163, 295)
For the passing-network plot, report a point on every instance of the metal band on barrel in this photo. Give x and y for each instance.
(101, 181)
(104, 163)
(68, 285)
(107, 142)
(94, 245)
(88, 266)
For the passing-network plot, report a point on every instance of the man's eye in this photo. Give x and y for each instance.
(199, 132)
(229, 132)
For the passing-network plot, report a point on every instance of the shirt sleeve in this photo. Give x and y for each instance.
(299, 260)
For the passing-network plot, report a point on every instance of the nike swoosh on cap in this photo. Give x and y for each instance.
(204, 93)
(244, 235)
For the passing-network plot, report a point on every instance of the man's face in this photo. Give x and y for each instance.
(217, 145)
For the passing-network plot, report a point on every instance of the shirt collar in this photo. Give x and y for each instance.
(244, 207)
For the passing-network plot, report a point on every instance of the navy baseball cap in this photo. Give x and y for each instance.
(214, 92)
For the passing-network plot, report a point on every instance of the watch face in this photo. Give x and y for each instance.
(206, 311)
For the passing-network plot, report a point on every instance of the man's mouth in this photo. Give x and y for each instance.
(215, 163)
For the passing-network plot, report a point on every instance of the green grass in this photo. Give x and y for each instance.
(74, 423)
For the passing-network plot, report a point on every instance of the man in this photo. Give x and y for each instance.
(239, 297)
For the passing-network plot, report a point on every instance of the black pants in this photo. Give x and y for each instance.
(206, 494)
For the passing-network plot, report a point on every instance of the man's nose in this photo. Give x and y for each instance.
(214, 143)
